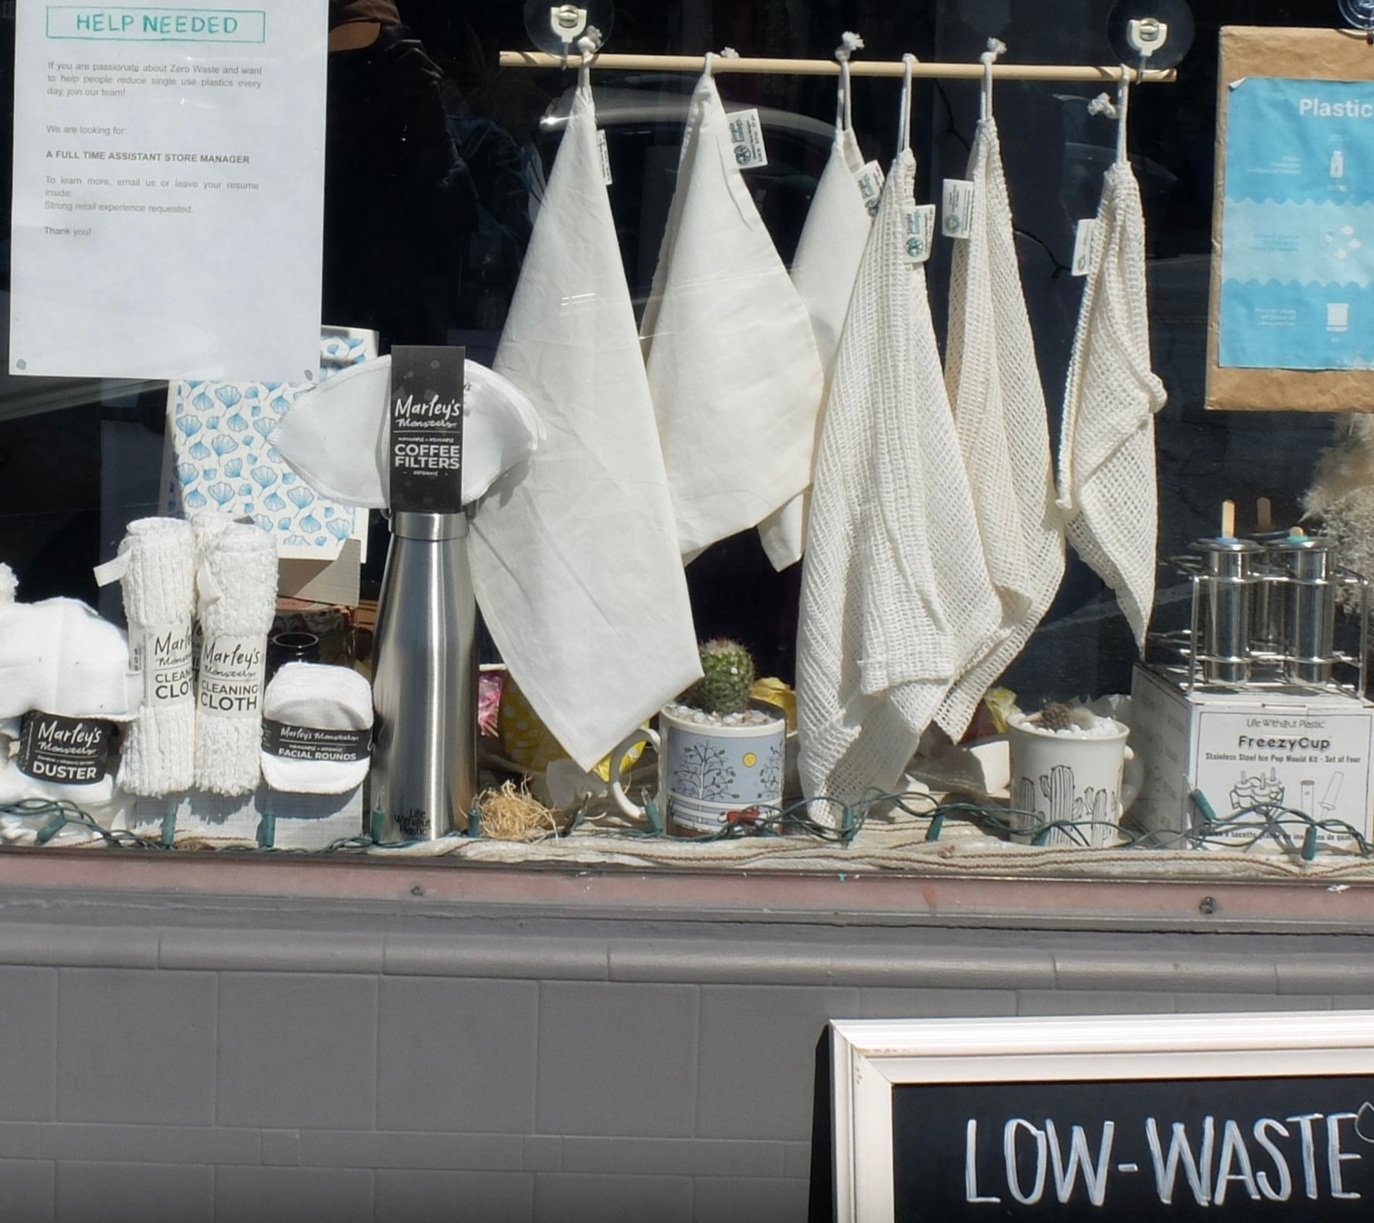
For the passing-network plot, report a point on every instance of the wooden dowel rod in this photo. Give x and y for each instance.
(828, 67)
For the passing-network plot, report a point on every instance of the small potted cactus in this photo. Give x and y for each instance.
(721, 753)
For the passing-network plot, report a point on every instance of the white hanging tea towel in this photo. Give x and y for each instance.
(1107, 478)
(574, 556)
(58, 656)
(159, 606)
(895, 598)
(337, 436)
(237, 590)
(827, 261)
(733, 368)
(999, 410)
(317, 721)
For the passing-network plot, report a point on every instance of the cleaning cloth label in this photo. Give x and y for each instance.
(66, 751)
(290, 742)
(427, 429)
(231, 675)
(162, 652)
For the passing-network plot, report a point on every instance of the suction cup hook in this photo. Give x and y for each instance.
(1360, 16)
(555, 27)
(1152, 33)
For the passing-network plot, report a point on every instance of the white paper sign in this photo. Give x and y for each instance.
(168, 190)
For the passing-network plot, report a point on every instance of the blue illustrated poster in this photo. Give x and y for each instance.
(1297, 260)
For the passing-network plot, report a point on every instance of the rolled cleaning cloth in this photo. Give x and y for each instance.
(733, 369)
(574, 557)
(999, 410)
(317, 725)
(159, 604)
(827, 261)
(895, 596)
(1107, 477)
(237, 592)
(64, 673)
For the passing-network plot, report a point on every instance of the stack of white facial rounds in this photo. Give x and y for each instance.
(317, 724)
(159, 606)
(237, 590)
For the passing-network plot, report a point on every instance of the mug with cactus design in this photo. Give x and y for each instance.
(1070, 781)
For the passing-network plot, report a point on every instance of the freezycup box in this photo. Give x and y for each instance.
(1305, 749)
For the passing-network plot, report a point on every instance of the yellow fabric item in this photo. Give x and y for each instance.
(526, 741)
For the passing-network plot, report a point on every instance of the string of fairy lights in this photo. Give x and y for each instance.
(1294, 832)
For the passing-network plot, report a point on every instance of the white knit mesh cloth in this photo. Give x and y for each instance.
(1107, 481)
(733, 369)
(828, 253)
(159, 604)
(237, 595)
(895, 597)
(999, 411)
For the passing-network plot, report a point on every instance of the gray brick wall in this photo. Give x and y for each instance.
(183, 1058)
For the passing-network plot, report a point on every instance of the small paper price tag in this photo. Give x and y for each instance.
(1083, 246)
(870, 183)
(746, 134)
(604, 149)
(956, 208)
(920, 232)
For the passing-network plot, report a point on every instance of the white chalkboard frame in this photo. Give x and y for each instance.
(869, 1057)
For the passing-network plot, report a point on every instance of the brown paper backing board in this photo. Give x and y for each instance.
(1323, 55)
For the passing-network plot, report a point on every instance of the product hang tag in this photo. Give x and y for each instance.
(111, 571)
(1083, 246)
(956, 208)
(604, 149)
(870, 184)
(426, 456)
(746, 134)
(920, 233)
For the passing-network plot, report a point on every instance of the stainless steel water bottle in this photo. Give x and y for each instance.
(424, 687)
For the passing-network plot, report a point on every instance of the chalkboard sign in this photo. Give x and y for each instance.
(1263, 1117)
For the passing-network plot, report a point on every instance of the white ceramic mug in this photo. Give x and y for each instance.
(706, 771)
(1070, 780)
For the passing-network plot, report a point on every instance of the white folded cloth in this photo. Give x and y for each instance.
(827, 261)
(895, 596)
(237, 592)
(303, 697)
(733, 369)
(159, 605)
(337, 436)
(574, 557)
(58, 656)
(1107, 476)
(999, 410)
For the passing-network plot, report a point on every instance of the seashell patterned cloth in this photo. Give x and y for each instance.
(216, 455)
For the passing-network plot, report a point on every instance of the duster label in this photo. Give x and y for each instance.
(65, 751)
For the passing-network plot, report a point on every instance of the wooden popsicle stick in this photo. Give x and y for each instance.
(1228, 520)
(1264, 513)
